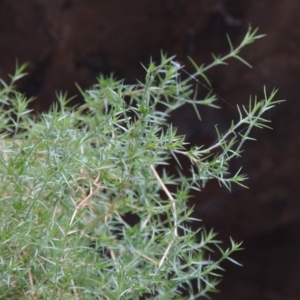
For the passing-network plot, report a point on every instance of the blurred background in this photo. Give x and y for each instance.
(67, 41)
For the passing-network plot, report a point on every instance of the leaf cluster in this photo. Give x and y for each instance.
(84, 211)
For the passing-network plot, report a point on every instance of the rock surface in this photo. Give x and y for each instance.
(69, 41)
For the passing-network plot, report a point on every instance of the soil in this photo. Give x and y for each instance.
(67, 41)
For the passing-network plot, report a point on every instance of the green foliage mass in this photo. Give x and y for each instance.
(69, 179)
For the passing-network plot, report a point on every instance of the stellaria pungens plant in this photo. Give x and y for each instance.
(71, 175)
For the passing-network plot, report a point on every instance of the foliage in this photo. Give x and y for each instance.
(85, 213)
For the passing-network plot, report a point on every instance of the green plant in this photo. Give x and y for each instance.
(70, 178)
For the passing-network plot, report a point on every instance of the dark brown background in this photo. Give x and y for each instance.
(73, 41)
